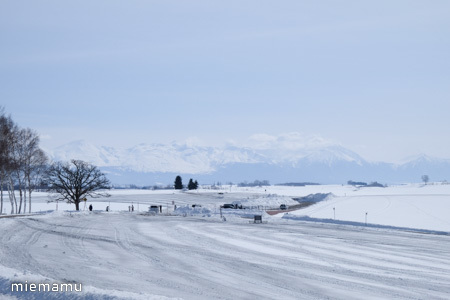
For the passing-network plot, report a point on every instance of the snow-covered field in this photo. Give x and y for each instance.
(314, 253)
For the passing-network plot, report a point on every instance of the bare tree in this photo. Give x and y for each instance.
(38, 166)
(34, 162)
(6, 127)
(76, 180)
(8, 160)
(17, 162)
(425, 178)
(21, 162)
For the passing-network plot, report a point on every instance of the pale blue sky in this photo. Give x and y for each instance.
(373, 76)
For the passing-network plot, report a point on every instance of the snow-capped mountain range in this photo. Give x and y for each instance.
(147, 164)
(157, 157)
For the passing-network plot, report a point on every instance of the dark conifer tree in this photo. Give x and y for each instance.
(191, 185)
(178, 183)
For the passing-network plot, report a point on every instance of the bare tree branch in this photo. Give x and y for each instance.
(76, 180)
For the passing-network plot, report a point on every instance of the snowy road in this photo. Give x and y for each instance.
(135, 256)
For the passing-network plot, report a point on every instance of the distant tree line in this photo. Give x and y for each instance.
(360, 183)
(350, 182)
(254, 183)
(22, 163)
(146, 187)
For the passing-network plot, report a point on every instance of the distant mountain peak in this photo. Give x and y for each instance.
(175, 157)
(423, 158)
(330, 163)
(334, 154)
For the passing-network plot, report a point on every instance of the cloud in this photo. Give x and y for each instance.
(194, 141)
(262, 141)
(288, 141)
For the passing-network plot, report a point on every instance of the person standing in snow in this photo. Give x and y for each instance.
(90, 207)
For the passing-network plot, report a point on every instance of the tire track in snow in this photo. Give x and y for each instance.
(198, 259)
(342, 260)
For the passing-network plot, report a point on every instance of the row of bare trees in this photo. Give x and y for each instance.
(22, 164)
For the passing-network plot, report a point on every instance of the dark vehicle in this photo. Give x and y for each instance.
(233, 206)
(196, 205)
(154, 209)
(283, 207)
(229, 206)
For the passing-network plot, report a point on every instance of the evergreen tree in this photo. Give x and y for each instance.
(196, 184)
(178, 183)
(191, 185)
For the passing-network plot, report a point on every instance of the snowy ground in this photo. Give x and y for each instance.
(194, 254)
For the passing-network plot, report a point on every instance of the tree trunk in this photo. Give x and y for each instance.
(11, 199)
(21, 195)
(77, 204)
(12, 196)
(21, 200)
(29, 201)
(24, 201)
(1, 195)
(29, 193)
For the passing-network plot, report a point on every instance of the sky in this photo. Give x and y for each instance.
(372, 76)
